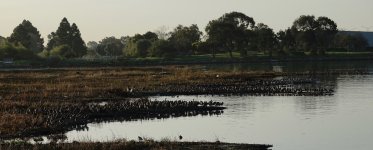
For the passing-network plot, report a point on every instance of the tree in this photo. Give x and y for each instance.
(15, 51)
(110, 46)
(151, 36)
(201, 47)
(162, 48)
(27, 35)
(92, 50)
(142, 47)
(77, 44)
(182, 38)
(62, 35)
(265, 38)
(139, 45)
(325, 33)
(304, 28)
(68, 35)
(64, 51)
(230, 31)
(286, 40)
(305, 23)
(92, 45)
(314, 34)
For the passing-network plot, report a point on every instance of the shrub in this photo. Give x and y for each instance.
(63, 51)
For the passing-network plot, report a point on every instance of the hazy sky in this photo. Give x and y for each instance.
(100, 18)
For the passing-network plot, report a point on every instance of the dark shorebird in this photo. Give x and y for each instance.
(180, 137)
(38, 139)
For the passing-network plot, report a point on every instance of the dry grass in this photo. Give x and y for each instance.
(145, 145)
(96, 83)
(28, 97)
(64, 89)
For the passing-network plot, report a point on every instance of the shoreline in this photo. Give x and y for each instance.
(144, 145)
(51, 102)
(130, 62)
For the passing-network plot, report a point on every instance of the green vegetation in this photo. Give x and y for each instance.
(28, 36)
(233, 37)
(67, 41)
(10, 50)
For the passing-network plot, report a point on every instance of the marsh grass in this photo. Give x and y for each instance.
(29, 99)
(120, 144)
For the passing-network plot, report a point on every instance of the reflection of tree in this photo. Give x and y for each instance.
(301, 66)
(313, 105)
(141, 117)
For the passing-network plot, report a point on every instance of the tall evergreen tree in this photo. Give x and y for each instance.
(27, 35)
(64, 32)
(77, 44)
(68, 35)
(61, 36)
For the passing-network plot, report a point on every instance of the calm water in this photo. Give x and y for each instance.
(343, 121)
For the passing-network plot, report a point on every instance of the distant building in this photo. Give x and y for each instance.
(367, 35)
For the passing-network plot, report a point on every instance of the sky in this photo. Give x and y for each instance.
(102, 18)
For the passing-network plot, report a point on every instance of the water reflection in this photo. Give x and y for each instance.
(313, 106)
(341, 121)
(293, 66)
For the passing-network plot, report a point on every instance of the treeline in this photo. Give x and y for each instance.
(232, 32)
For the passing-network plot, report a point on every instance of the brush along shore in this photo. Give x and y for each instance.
(146, 145)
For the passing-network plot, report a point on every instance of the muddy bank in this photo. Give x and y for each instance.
(233, 86)
(45, 102)
(24, 119)
(117, 83)
(147, 145)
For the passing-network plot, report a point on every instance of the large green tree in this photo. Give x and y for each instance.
(140, 44)
(304, 30)
(110, 46)
(265, 38)
(14, 51)
(286, 40)
(27, 35)
(325, 33)
(162, 48)
(230, 31)
(183, 38)
(67, 36)
(142, 47)
(151, 36)
(314, 34)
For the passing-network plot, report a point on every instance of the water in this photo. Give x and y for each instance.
(343, 121)
(293, 66)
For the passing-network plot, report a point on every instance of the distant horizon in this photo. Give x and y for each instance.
(97, 19)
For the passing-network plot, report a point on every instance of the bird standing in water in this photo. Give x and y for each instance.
(180, 137)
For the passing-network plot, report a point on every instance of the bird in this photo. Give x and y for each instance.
(140, 138)
(38, 139)
(180, 137)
